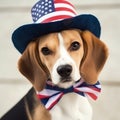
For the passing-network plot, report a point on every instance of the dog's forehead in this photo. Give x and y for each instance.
(48, 39)
(71, 35)
(52, 39)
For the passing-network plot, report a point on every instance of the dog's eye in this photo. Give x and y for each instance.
(75, 46)
(46, 51)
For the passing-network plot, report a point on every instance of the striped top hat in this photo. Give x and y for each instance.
(53, 16)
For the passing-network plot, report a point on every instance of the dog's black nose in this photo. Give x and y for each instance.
(64, 70)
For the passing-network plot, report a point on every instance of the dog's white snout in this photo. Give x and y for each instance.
(64, 70)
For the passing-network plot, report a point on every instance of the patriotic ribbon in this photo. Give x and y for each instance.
(51, 95)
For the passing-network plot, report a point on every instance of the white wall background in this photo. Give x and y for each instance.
(13, 85)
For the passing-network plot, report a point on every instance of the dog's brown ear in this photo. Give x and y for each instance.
(30, 66)
(95, 55)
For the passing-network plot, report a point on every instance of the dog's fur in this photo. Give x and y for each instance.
(84, 53)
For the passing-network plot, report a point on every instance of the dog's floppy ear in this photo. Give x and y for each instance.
(95, 55)
(31, 67)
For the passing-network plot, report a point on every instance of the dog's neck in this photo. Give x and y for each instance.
(72, 107)
(52, 94)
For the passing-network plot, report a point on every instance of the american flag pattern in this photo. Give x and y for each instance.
(45, 11)
(51, 95)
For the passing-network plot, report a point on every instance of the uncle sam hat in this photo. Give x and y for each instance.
(53, 16)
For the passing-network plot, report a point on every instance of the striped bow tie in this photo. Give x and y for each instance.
(51, 95)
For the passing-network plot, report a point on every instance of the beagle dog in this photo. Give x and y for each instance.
(62, 58)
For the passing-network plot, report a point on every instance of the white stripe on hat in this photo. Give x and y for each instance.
(57, 5)
(53, 14)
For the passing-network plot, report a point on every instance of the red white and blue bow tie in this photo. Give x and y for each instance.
(51, 95)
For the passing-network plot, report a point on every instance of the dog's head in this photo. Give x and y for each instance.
(63, 58)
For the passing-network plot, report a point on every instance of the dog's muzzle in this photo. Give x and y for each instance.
(64, 71)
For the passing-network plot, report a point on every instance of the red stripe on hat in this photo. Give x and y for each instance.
(64, 9)
(54, 18)
(63, 1)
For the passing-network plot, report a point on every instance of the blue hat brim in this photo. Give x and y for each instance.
(23, 35)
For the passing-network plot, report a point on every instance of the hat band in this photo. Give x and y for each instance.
(55, 16)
